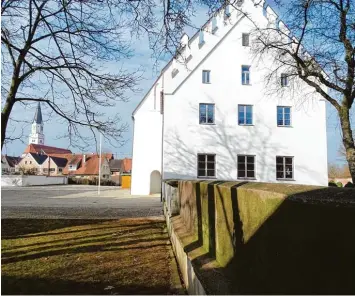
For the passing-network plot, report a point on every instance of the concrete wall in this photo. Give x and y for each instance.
(32, 180)
(268, 238)
(183, 136)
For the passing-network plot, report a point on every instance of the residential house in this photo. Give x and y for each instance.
(208, 114)
(54, 165)
(31, 163)
(126, 165)
(115, 166)
(8, 164)
(87, 166)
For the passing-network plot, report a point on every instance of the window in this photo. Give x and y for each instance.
(246, 166)
(174, 72)
(60, 170)
(201, 39)
(284, 167)
(30, 162)
(245, 39)
(245, 75)
(206, 76)
(26, 162)
(284, 80)
(227, 11)
(214, 25)
(245, 114)
(72, 167)
(283, 116)
(206, 166)
(206, 113)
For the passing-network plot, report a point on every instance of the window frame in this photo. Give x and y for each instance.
(206, 169)
(245, 118)
(283, 116)
(208, 73)
(244, 82)
(284, 78)
(284, 168)
(248, 43)
(246, 167)
(199, 114)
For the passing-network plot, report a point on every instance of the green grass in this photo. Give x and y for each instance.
(129, 256)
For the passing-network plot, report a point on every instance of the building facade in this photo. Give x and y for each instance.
(37, 133)
(209, 116)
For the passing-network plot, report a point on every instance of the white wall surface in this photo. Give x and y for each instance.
(147, 142)
(32, 180)
(223, 54)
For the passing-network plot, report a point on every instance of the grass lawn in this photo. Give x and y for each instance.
(129, 256)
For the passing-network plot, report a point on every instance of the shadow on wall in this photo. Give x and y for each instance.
(226, 139)
(258, 241)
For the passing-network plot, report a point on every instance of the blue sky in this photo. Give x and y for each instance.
(142, 59)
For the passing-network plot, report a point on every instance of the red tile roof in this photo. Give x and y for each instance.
(90, 167)
(126, 165)
(36, 148)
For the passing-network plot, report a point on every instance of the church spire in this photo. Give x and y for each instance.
(38, 115)
(37, 135)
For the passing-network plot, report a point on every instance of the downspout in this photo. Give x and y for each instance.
(162, 104)
(132, 158)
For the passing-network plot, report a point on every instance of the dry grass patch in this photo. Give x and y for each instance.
(129, 256)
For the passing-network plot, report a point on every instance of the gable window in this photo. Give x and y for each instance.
(201, 38)
(72, 167)
(227, 11)
(206, 76)
(30, 162)
(245, 114)
(25, 161)
(284, 167)
(214, 25)
(206, 113)
(206, 166)
(246, 166)
(245, 75)
(283, 116)
(245, 39)
(284, 80)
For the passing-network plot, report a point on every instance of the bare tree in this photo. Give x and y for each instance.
(61, 52)
(56, 52)
(317, 47)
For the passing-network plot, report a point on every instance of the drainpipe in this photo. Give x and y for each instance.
(162, 104)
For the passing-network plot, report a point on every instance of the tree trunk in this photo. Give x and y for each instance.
(348, 139)
(5, 115)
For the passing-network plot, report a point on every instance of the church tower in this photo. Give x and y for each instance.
(37, 136)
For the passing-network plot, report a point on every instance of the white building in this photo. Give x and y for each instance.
(37, 135)
(210, 117)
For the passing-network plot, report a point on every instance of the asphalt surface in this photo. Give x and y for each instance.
(76, 201)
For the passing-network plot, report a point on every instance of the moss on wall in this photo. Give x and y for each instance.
(272, 238)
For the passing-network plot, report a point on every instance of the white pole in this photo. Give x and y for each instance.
(99, 168)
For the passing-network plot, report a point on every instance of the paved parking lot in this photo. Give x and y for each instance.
(76, 201)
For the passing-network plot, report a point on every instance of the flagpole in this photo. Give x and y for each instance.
(99, 168)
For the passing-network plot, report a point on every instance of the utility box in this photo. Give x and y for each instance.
(125, 181)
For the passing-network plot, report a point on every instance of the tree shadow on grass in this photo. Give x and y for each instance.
(22, 228)
(33, 286)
